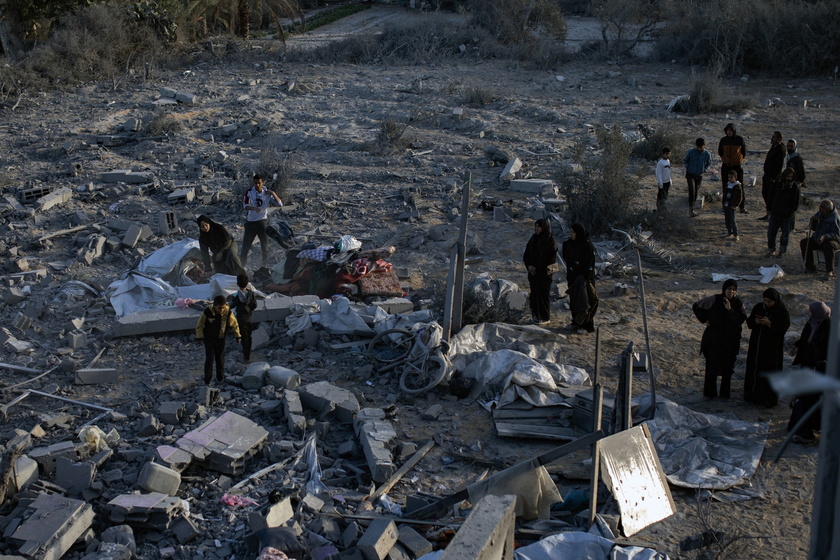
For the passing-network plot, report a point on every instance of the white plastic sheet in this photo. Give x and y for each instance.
(473, 341)
(766, 274)
(583, 546)
(169, 263)
(339, 317)
(514, 376)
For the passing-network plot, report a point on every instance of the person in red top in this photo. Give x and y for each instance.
(732, 151)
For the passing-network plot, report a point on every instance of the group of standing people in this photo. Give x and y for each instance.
(725, 313)
(218, 252)
(540, 260)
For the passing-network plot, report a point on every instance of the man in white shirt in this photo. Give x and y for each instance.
(256, 202)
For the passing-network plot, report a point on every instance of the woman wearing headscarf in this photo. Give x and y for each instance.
(540, 253)
(723, 314)
(214, 239)
(768, 321)
(810, 351)
(579, 255)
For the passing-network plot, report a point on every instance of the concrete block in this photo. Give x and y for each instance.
(275, 516)
(93, 249)
(172, 412)
(487, 532)
(510, 170)
(24, 471)
(77, 339)
(312, 503)
(75, 477)
(49, 527)
(280, 450)
(260, 336)
(184, 530)
(97, 376)
(432, 413)
(121, 226)
(379, 538)
(188, 98)
(397, 552)
(167, 222)
(620, 290)
(375, 438)
(325, 397)
(148, 426)
(154, 510)
(157, 478)
(145, 232)
(14, 295)
(209, 396)
(283, 378)
(132, 236)
(415, 543)
(167, 92)
(253, 378)
(120, 534)
(350, 534)
(502, 214)
(533, 186)
(181, 196)
(172, 457)
(293, 411)
(55, 198)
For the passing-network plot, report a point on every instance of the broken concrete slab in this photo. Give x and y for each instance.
(224, 443)
(152, 321)
(127, 176)
(533, 186)
(509, 172)
(97, 376)
(49, 526)
(415, 543)
(181, 196)
(173, 458)
(184, 530)
(275, 516)
(167, 222)
(25, 471)
(154, 510)
(46, 457)
(293, 411)
(324, 397)
(75, 477)
(172, 412)
(376, 436)
(55, 198)
(487, 533)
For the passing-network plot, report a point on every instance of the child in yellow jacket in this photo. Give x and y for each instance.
(212, 326)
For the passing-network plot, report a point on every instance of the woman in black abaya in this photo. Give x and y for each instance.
(540, 253)
(579, 255)
(769, 321)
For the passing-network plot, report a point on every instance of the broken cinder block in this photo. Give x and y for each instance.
(97, 376)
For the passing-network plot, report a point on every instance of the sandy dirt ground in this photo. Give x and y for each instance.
(327, 122)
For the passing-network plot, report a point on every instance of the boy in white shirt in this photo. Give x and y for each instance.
(663, 178)
(256, 202)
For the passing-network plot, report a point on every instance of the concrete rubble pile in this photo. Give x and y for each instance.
(119, 452)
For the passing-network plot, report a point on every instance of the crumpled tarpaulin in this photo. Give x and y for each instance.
(473, 341)
(160, 279)
(517, 376)
(583, 546)
(339, 317)
(703, 450)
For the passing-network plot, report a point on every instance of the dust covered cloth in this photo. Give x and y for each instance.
(534, 489)
(704, 450)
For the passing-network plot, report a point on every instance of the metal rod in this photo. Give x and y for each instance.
(597, 372)
(647, 334)
(597, 409)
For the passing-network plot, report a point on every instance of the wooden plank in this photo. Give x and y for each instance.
(402, 470)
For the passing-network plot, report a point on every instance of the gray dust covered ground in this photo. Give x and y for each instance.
(326, 118)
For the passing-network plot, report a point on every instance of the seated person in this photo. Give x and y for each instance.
(825, 225)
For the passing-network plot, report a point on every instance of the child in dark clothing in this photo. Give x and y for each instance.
(243, 303)
(732, 196)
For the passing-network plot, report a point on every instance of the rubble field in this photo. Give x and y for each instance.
(113, 445)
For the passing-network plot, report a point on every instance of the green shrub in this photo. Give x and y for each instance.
(598, 195)
(479, 96)
(391, 139)
(518, 21)
(163, 124)
(658, 137)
